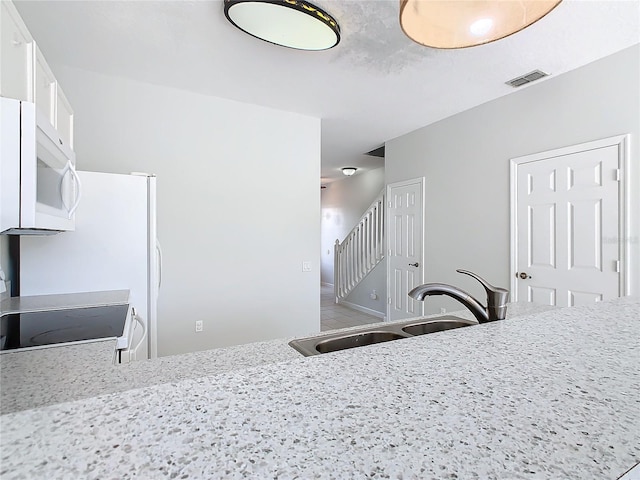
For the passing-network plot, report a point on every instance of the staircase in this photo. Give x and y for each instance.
(360, 251)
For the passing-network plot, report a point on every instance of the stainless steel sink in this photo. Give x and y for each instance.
(341, 340)
(356, 340)
(440, 325)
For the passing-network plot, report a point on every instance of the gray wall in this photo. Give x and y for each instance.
(360, 296)
(343, 204)
(238, 204)
(465, 160)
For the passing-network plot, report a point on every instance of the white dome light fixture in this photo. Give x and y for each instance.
(290, 23)
(348, 171)
(467, 23)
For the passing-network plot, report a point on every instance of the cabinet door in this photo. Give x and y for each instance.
(45, 88)
(16, 55)
(64, 119)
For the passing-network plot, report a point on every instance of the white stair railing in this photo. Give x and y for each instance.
(360, 251)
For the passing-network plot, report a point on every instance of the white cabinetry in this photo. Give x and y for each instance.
(45, 88)
(64, 118)
(25, 74)
(16, 55)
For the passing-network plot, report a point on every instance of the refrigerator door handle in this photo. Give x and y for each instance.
(159, 250)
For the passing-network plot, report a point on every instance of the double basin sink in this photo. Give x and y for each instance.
(340, 340)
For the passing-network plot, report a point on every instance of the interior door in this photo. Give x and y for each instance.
(405, 247)
(567, 225)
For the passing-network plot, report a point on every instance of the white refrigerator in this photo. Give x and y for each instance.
(114, 247)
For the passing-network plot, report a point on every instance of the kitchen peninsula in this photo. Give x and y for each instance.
(541, 395)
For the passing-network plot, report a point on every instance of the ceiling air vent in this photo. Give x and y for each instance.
(528, 78)
(377, 152)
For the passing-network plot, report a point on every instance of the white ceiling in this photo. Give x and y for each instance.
(374, 86)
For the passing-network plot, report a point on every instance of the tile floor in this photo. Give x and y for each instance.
(334, 316)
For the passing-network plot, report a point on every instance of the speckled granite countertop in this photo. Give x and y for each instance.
(53, 375)
(548, 395)
(57, 374)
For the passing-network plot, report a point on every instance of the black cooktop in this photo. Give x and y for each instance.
(21, 330)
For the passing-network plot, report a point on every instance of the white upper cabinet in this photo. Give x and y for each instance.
(16, 55)
(45, 88)
(25, 74)
(64, 118)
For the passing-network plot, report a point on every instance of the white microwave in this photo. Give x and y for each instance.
(39, 187)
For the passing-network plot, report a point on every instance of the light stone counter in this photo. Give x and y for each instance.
(551, 395)
(57, 374)
(53, 375)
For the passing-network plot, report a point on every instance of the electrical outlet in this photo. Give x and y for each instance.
(443, 310)
(373, 295)
(198, 325)
(306, 266)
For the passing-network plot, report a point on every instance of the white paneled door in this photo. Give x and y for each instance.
(567, 224)
(405, 219)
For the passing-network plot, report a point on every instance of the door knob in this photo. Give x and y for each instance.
(523, 275)
(414, 264)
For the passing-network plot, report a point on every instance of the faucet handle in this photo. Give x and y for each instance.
(496, 296)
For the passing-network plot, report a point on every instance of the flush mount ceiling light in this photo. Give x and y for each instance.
(348, 171)
(466, 23)
(290, 23)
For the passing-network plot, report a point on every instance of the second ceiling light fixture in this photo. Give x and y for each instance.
(466, 23)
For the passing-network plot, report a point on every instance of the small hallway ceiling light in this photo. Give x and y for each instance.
(291, 23)
(466, 23)
(348, 171)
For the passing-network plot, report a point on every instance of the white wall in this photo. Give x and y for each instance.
(238, 204)
(465, 160)
(343, 204)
